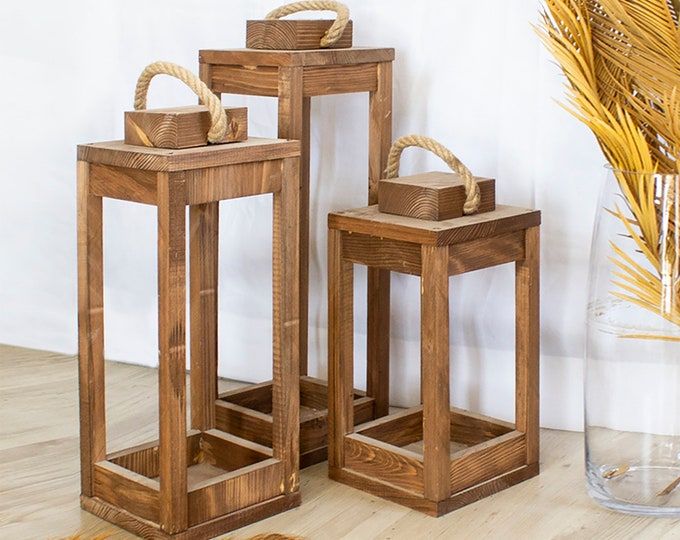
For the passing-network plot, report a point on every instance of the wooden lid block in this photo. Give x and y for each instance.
(181, 127)
(434, 196)
(293, 34)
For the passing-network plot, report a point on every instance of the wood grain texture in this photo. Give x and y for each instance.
(320, 57)
(90, 330)
(248, 79)
(378, 285)
(172, 352)
(342, 79)
(487, 460)
(434, 353)
(398, 429)
(123, 183)
(471, 428)
(340, 350)
(254, 396)
(369, 220)
(434, 196)
(126, 489)
(181, 127)
(119, 154)
(203, 276)
(379, 253)
(234, 491)
(228, 452)
(397, 466)
(292, 34)
(527, 348)
(486, 252)
(286, 325)
(244, 422)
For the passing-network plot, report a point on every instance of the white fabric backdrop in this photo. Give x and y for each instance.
(471, 74)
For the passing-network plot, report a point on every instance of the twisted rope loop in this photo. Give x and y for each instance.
(334, 33)
(218, 129)
(472, 193)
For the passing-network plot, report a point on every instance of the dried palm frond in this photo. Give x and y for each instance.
(621, 59)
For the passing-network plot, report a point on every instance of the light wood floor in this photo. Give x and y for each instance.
(39, 474)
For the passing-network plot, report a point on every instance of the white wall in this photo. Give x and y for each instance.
(471, 74)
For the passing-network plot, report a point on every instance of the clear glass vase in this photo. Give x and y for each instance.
(632, 388)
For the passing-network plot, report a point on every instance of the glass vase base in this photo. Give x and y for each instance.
(640, 491)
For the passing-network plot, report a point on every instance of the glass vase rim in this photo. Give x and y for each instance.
(611, 168)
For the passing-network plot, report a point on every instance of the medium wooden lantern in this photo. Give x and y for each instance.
(294, 77)
(203, 481)
(489, 454)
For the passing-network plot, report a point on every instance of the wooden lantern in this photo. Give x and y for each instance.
(294, 78)
(432, 457)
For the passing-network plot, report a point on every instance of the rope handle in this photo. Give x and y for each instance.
(218, 128)
(334, 33)
(472, 193)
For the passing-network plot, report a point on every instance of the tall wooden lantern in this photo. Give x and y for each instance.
(432, 457)
(202, 481)
(295, 60)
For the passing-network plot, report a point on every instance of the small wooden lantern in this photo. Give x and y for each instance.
(275, 34)
(489, 455)
(201, 482)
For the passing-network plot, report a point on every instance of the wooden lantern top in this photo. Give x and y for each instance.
(316, 57)
(119, 154)
(370, 221)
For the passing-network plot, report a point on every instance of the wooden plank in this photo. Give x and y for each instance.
(90, 330)
(294, 123)
(123, 183)
(340, 349)
(527, 348)
(378, 290)
(392, 255)
(249, 80)
(243, 422)
(486, 461)
(230, 452)
(486, 252)
(203, 275)
(313, 393)
(125, 489)
(320, 57)
(172, 352)
(286, 326)
(182, 127)
(397, 466)
(234, 491)
(369, 220)
(434, 347)
(293, 34)
(119, 154)
(254, 396)
(328, 80)
(398, 429)
(209, 529)
(434, 196)
(471, 428)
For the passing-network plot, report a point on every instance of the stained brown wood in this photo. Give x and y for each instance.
(245, 422)
(398, 466)
(248, 79)
(378, 290)
(119, 154)
(342, 79)
(181, 127)
(398, 429)
(486, 461)
(172, 352)
(253, 396)
(127, 489)
(486, 252)
(434, 196)
(340, 350)
(286, 339)
(320, 57)
(123, 183)
(90, 330)
(527, 348)
(471, 428)
(369, 220)
(229, 452)
(203, 272)
(434, 347)
(293, 34)
(392, 255)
